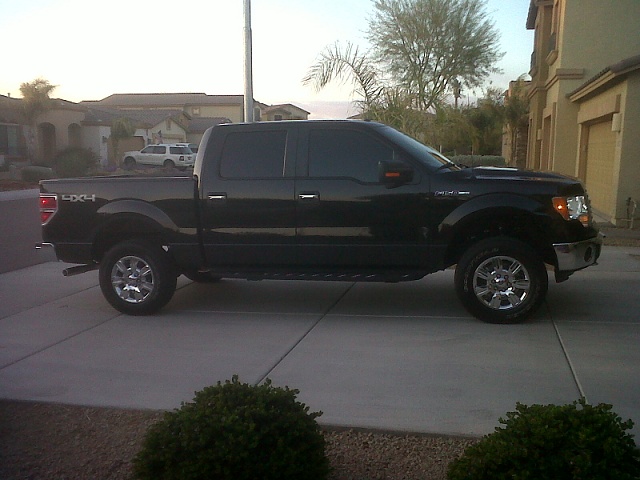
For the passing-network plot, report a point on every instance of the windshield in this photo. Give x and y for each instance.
(427, 155)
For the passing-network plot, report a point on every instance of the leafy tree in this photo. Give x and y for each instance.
(421, 49)
(431, 46)
(121, 129)
(487, 120)
(35, 97)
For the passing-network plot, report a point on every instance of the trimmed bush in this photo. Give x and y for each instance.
(540, 442)
(235, 431)
(34, 173)
(75, 162)
(479, 160)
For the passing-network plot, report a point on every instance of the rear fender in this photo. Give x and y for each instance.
(138, 207)
(127, 219)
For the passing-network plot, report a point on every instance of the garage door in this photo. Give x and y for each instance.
(600, 160)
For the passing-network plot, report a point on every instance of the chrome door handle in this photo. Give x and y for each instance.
(308, 196)
(217, 196)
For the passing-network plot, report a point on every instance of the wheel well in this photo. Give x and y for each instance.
(518, 225)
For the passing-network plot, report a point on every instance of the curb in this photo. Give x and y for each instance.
(19, 194)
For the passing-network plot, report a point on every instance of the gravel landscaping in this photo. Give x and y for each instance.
(41, 441)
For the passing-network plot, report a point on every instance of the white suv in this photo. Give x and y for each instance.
(166, 155)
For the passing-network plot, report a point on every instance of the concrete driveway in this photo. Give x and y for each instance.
(403, 357)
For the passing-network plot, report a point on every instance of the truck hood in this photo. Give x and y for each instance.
(508, 173)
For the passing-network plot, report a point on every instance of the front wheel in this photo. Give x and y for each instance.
(137, 277)
(501, 280)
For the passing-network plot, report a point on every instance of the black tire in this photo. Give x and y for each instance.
(137, 277)
(169, 164)
(129, 163)
(501, 280)
(202, 277)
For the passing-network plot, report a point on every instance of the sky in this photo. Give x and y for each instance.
(91, 49)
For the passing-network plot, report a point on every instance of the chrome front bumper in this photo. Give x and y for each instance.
(578, 255)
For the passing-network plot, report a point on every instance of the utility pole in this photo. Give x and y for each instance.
(248, 73)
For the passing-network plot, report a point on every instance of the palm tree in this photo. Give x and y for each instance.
(347, 64)
(516, 109)
(35, 96)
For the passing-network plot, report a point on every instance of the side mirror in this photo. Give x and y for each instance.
(395, 174)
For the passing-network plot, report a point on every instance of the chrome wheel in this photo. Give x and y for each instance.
(132, 279)
(501, 283)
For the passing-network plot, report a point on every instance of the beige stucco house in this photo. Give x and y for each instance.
(584, 97)
(157, 118)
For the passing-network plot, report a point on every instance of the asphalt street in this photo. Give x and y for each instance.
(401, 357)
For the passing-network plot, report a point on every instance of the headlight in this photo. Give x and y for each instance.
(572, 208)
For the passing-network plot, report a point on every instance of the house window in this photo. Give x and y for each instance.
(168, 125)
(277, 118)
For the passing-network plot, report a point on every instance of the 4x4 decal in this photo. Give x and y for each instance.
(82, 197)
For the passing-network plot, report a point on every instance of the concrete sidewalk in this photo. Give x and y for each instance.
(402, 357)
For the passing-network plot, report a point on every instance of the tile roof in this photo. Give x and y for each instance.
(200, 124)
(617, 69)
(166, 99)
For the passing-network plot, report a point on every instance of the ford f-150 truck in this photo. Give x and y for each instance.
(324, 200)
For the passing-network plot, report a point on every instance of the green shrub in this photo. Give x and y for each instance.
(75, 162)
(479, 160)
(540, 442)
(34, 173)
(235, 431)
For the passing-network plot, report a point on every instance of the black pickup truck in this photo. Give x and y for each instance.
(324, 200)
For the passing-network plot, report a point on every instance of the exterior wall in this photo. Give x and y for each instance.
(629, 139)
(168, 132)
(96, 138)
(597, 33)
(59, 119)
(576, 40)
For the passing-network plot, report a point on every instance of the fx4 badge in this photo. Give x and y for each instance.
(83, 197)
(450, 193)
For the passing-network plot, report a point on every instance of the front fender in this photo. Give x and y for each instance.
(498, 202)
(494, 214)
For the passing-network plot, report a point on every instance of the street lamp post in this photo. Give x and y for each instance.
(248, 73)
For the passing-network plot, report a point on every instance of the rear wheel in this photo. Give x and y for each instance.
(501, 280)
(137, 277)
(168, 164)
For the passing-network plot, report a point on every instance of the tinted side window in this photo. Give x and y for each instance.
(346, 153)
(158, 149)
(147, 150)
(253, 155)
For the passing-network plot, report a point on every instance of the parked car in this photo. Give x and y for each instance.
(165, 155)
(192, 146)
